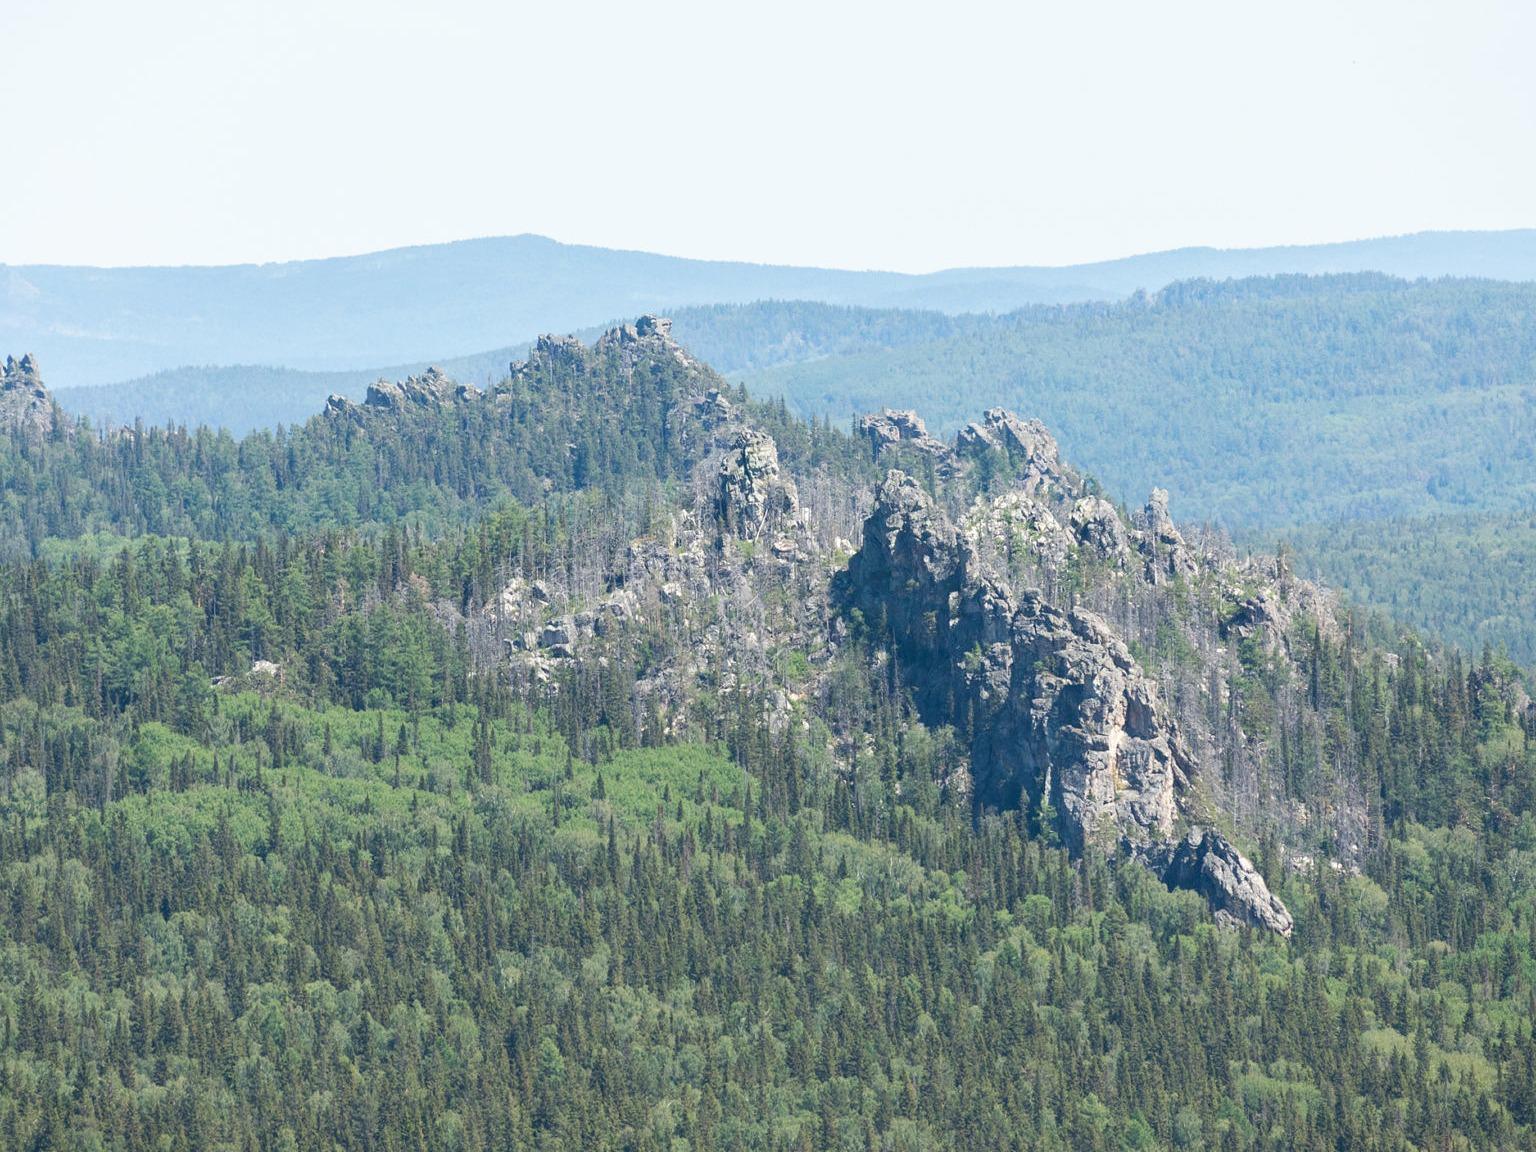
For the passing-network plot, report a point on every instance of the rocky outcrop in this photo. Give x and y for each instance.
(1015, 526)
(431, 391)
(1097, 746)
(902, 438)
(649, 335)
(1031, 449)
(893, 427)
(1061, 721)
(1206, 863)
(25, 404)
(1096, 524)
(753, 498)
(1167, 555)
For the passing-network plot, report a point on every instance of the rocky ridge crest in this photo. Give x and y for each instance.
(25, 402)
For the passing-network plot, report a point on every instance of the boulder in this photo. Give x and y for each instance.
(1207, 863)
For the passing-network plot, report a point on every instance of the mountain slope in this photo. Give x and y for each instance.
(95, 325)
(544, 766)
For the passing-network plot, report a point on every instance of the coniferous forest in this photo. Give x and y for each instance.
(472, 771)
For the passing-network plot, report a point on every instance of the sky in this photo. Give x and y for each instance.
(854, 135)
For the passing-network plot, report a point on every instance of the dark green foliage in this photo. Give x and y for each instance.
(379, 904)
(1466, 579)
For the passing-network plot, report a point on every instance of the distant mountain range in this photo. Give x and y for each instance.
(408, 305)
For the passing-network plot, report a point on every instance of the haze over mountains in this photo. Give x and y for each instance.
(99, 325)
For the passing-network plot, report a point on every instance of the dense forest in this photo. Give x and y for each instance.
(294, 855)
(1261, 404)
(1463, 578)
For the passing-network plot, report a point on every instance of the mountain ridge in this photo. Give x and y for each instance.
(96, 324)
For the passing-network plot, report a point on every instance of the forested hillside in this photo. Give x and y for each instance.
(1464, 578)
(603, 760)
(1262, 403)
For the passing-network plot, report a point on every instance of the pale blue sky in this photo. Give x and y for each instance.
(841, 134)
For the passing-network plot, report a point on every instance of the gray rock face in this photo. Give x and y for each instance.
(1062, 722)
(893, 428)
(1096, 524)
(1097, 745)
(753, 498)
(649, 335)
(1203, 862)
(25, 404)
(1028, 445)
(1168, 557)
(429, 390)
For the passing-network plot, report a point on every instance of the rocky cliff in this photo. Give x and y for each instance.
(1060, 719)
(25, 403)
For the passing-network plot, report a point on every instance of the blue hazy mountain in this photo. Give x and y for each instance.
(99, 325)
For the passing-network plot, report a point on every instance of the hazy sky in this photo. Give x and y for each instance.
(843, 134)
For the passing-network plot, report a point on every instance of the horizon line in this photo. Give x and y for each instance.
(537, 236)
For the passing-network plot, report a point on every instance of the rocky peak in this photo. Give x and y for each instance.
(648, 335)
(1096, 524)
(432, 389)
(1029, 446)
(1167, 554)
(25, 403)
(891, 427)
(753, 498)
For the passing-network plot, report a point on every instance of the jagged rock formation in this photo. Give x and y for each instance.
(1061, 721)
(754, 499)
(1096, 524)
(1027, 444)
(1168, 557)
(25, 403)
(973, 591)
(431, 390)
(1203, 862)
(893, 427)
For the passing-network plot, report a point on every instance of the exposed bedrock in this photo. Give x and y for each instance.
(1061, 720)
